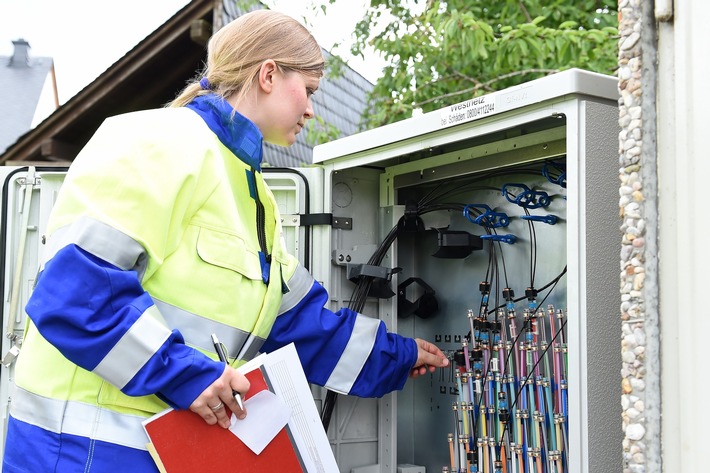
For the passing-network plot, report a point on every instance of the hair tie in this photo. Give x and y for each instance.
(205, 84)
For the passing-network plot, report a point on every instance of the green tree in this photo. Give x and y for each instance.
(443, 52)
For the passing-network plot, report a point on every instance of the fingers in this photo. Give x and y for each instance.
(211, 408)
(220, 413)
(429, 358)
(431, 354)
(234, 405)
(216, 403)
(238, 384)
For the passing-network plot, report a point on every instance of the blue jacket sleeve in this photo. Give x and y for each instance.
(344, 351)
(84, 306)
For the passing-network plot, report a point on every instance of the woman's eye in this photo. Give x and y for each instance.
(309, 91)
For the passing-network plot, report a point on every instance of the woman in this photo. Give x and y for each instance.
(163, 233)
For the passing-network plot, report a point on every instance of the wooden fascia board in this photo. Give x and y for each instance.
(28, 147)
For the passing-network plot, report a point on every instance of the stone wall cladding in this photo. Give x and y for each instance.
(633, 244)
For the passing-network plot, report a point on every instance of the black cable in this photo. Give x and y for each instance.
(554, 281)
(502, 262)
(533, 249)
(357, 302)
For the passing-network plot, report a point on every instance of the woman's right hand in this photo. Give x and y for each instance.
(210, 404)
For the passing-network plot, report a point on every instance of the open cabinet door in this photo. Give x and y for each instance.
(28, 194)
(298, 193)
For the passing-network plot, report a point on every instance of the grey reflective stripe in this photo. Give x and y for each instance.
(359, 347)
(102, 241)
(251, 348)
(196, 330)
(77, 418)
(299, 285)
(134, 349)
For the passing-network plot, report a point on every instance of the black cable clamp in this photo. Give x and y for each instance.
(381, 278)
(424, 306)
(410, 221)
(457, 244)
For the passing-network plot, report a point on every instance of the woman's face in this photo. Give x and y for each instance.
(288, 106)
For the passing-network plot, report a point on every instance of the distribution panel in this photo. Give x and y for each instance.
(494, 238)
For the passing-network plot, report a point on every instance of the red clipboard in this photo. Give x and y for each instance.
(184, 443)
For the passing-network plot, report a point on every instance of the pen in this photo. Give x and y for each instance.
(219, 348)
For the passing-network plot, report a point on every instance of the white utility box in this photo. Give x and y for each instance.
(514, 194)
(489, 227)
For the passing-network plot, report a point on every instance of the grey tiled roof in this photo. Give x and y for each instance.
(20, 89)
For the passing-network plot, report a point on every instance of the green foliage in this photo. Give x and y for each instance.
(443, 52)
(318, 131)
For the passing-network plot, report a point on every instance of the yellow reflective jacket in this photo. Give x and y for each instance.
(156, 193)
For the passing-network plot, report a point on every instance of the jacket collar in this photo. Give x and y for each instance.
(239, 134)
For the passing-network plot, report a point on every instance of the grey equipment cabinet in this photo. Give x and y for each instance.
(543, 158)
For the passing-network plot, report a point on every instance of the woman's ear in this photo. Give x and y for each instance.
(266, 75)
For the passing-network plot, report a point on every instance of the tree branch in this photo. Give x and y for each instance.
(483, 85)
(477, 83)
(519, 73)
(525, 11)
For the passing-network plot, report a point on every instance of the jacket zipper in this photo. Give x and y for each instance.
(260, 220)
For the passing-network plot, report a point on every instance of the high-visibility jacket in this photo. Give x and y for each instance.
(163, 233)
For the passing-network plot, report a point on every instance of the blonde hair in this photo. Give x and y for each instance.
(235, 54)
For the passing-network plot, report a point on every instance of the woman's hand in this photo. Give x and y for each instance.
(210, 404)
(429, 359)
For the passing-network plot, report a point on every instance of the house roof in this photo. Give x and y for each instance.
(151, 75)
(22, 77)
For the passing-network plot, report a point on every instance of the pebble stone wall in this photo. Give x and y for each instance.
(634, 244)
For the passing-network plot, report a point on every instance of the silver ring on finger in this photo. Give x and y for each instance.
(217, 407)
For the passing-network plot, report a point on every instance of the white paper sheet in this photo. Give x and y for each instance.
(267, 414)
(289, 383)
